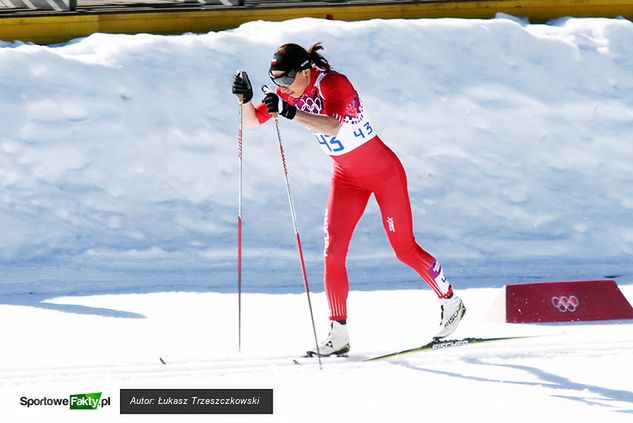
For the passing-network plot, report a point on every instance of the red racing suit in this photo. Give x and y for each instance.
(363, 165)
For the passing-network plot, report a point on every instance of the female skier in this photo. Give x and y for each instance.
(311, 93)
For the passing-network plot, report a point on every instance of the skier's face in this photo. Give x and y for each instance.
(298, 86)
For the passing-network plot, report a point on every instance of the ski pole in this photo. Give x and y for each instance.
(239, 232)
(293, 214)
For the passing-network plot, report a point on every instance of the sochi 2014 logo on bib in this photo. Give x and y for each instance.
(565, 303)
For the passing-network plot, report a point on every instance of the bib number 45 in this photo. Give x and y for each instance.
(330, 142)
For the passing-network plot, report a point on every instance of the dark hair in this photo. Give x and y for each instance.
(317, 59)
(290, 57)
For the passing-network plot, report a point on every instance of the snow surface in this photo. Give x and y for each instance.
(118, 177)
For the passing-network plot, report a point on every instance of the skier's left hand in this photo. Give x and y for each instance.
(275, 104)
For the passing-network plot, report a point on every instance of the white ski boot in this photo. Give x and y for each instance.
(452, 312)
(336, 343)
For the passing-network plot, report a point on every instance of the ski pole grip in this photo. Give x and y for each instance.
(267, 90)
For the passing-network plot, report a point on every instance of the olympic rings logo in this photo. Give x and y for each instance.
(312, 105)
(565, 304)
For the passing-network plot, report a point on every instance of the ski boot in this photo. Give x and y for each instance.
(453, 311)
(336, 343)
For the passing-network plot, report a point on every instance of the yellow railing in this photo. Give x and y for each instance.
(46, 29)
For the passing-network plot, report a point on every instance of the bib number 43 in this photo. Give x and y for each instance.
(364, 131)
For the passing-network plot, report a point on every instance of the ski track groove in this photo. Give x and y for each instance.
(492, 354)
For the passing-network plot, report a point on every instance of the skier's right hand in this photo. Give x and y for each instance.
(242, 87)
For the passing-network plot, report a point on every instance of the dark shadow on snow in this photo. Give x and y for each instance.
(545, 380)
(40, 301)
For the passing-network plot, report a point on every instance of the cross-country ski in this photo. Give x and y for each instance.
(442, 344)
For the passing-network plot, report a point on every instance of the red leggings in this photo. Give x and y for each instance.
(371, 168)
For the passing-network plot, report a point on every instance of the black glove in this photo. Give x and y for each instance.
(242, 86)
(275, 104)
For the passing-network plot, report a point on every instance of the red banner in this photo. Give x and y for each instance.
(566, 301)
